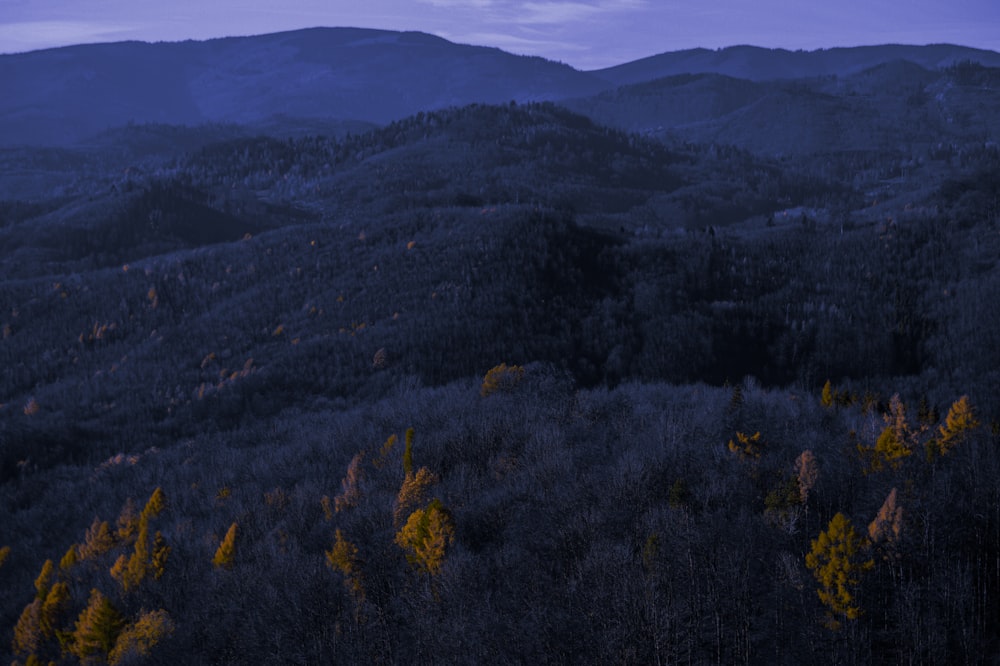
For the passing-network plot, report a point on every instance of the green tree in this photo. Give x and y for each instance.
(838, 562)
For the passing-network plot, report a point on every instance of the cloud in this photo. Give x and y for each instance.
(563, 12)
(515, 44)
(460, 4)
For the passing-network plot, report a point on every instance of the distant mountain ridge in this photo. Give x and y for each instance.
(761, 64)
(320, 75)
(62, 95)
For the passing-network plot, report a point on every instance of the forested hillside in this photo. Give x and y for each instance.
(670, 401)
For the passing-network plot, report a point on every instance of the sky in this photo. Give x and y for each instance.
(588, 34)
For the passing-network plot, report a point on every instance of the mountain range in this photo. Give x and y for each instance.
(346, 75)
(430, 353)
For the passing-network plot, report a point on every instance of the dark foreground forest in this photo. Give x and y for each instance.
(497, 384)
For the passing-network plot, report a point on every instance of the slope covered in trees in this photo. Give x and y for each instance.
(668, 400)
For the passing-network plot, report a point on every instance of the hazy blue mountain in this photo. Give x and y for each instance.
(61, 95)
(316, 80)
(760, 64)
(892, 106)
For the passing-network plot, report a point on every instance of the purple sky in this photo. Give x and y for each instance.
(587, 34)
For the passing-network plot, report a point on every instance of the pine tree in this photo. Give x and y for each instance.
(838, 563)
(97, 628)
(226, 552)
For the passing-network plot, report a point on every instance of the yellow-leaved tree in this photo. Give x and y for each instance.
(838, 561)
(426, 537)
(957, 424)
(137, 639)
(97, 629)
(343, 558)
(225, 554)
(893, 445)
(747, 446)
